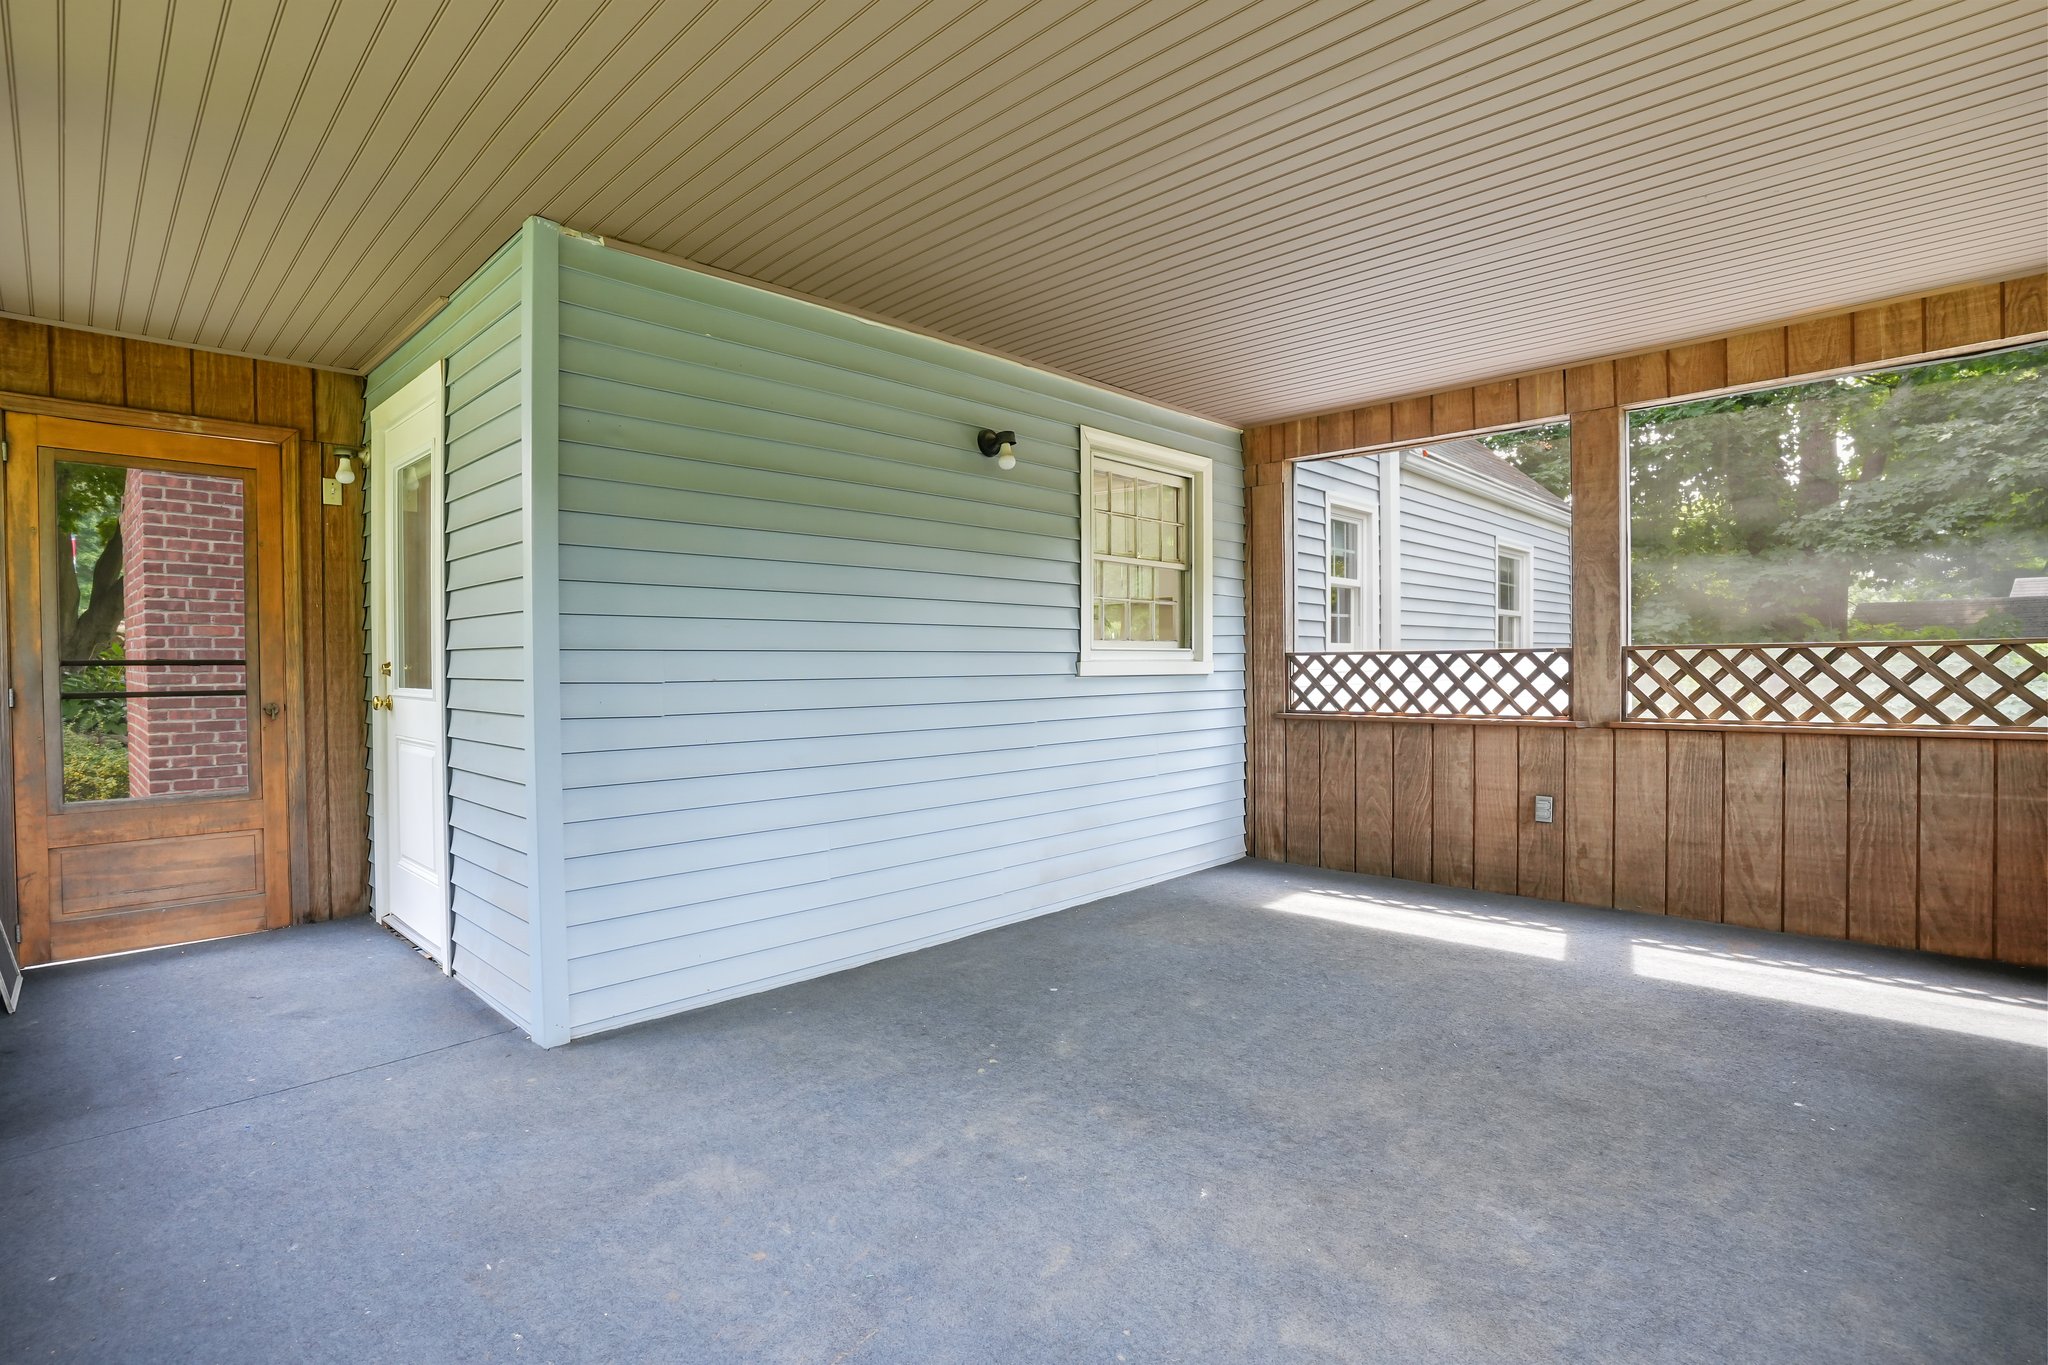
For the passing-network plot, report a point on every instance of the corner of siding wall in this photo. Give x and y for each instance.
(540, 342)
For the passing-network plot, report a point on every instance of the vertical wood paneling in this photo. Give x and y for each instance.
(1496, 793)
(1497, 404)
(24, 357)
(1817, 835)
(157, 378)
(1451, 412)
(1375, 823)
(1304, 791)
(1599, 571)
(1414, 800)
(1451, 830)
(2021, 926)
(1374, 425)
(1965, 317)
(1693, 801)
(284, 396)
(1884, 839)
(1700, 367)
(1265, 679)
(1753, 830)
(1819, 344)
(1587, 387)
(1640, 378)
(1540, 860)
(1589, 817)
(1888, 331)
(1413, 418)
(1757, 357)
(225, 386)
(2026, 305)
(1957, 848)
(1639, 825)
(86, 367)
(1541, 394)
(343, 533)
(1338, 792)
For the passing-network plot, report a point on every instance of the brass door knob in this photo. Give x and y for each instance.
(380, 703)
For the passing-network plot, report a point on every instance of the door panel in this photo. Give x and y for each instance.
(408, 765)
(146, 604)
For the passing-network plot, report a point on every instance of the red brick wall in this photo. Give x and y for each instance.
(182, 562)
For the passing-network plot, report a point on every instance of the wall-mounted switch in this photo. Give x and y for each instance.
(330, 492)
(1546, 809)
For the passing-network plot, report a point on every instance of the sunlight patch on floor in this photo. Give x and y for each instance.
(1444, 924)
(1983, 1014)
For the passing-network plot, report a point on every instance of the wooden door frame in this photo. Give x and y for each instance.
(285, 440)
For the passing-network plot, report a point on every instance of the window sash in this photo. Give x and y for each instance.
(1512, 571)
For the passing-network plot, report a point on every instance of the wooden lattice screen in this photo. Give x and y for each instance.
(1517, 684)
(1999, 684)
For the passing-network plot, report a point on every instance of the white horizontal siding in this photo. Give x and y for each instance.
(817, 655)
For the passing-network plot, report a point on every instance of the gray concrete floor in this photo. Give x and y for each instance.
(1255, 1114)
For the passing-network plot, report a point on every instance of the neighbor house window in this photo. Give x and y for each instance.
(1511, 598)
(1351, 579)
(1145, 557)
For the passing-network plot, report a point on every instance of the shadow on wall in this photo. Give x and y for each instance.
(1900, 998)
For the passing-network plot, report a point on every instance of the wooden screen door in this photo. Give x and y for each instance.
(409, 852)
(146, 620)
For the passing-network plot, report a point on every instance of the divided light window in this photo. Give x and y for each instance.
(1145, 557)
(1351, 563)
(1511, 598)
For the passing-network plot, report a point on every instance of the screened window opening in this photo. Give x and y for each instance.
(1436, 579)
(1870, 549)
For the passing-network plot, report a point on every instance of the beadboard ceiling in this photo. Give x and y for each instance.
(1246, 210)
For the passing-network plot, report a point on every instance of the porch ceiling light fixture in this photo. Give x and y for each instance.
(344, 472)
(1000, 446)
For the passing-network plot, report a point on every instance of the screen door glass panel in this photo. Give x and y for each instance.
(152, 612)
(412, 632)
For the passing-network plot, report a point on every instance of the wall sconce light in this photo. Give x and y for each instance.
(344, 471)
(1000, 446)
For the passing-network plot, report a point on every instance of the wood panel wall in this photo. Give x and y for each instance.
(326, 409)
(1924, 841)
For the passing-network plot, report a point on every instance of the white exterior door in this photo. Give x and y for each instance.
(410, 837)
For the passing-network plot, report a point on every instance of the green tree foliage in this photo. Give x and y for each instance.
(1774, 515)
(1543, 453)
(91, 592)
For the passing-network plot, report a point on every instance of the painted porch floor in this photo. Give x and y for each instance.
(1259, 1113)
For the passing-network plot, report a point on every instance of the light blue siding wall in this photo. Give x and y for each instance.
(1448, 535)
(1353, 482)
(818, 687)
(480, 336)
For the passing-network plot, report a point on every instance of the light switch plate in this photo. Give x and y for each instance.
(1546, 809)
(330, 492)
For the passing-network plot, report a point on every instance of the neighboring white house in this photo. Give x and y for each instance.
(1462, 551)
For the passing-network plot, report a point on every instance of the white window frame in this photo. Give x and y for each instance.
(1365, 619)
(1125, 658)
(1524, 616)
